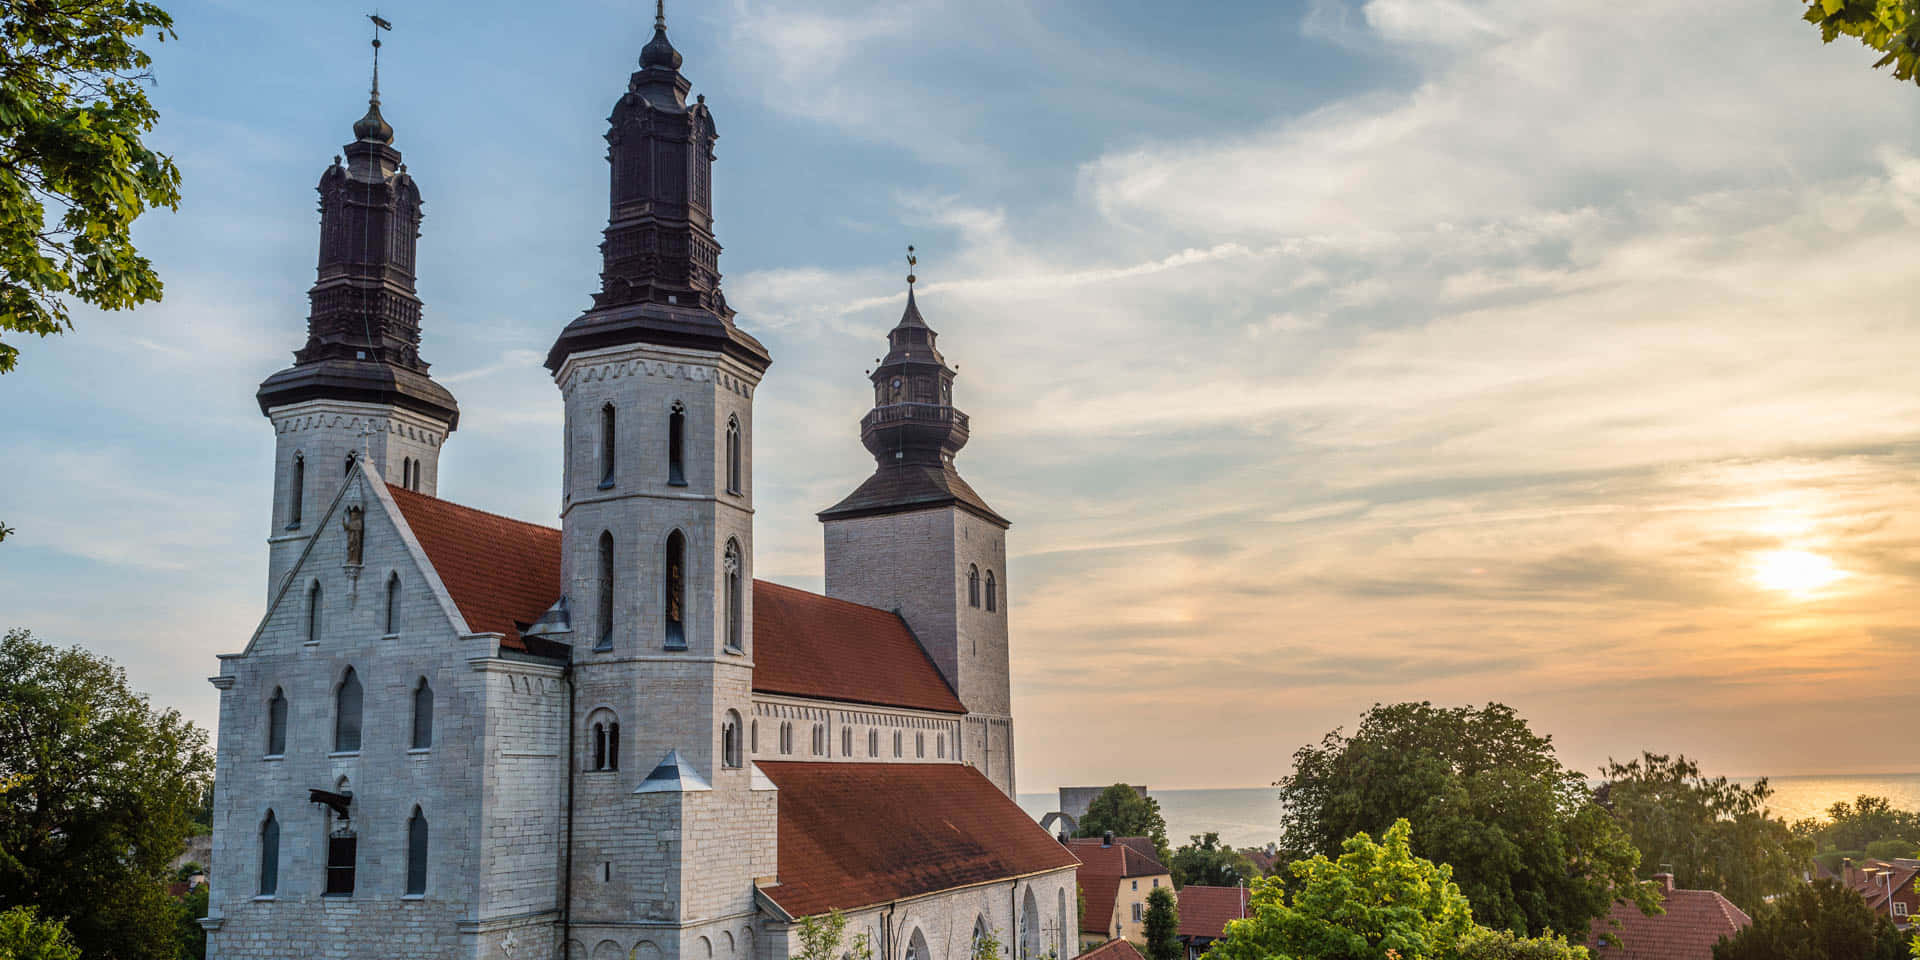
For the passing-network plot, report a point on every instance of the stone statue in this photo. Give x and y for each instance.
(355, 525)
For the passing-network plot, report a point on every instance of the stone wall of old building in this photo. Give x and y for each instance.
(944, 922)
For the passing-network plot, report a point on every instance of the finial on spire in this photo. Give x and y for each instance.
(660, 14)
(659, 52)
(373, 126)
(912, 261)
(379, 23)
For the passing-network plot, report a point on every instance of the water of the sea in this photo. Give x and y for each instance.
(1251, 817)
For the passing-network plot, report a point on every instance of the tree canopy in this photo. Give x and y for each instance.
(1817, 921)
(1889, 27)
(1163, 925)
(1860, 824)
(1711, 833)
(1210, 863)
(1123, 812)
(97, 794)
(1525, 840)
(74, 172)
(25, 936)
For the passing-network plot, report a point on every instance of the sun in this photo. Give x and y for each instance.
(1794, 571)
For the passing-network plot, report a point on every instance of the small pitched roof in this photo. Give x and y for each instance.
(1695, 920)
(1206, 911)
(1103, 867)
(898, 488)
(1113, 950)
(813, 646)
(855, 834)
(500, 572)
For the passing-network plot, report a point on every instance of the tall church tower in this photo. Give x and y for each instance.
(914, 538)
(657, 543)
(359, 385)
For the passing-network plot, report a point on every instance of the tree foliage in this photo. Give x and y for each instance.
(1818, 921)
(1485, 944)
(1210, 863)
(1890, 27)
(97, 794)
(24, 936)
(1713, 834)
(1122, 811)
(825, 938)
(1856, 826)
(987, 945)
(1163, 926)
(1522, 834)
(74, 173)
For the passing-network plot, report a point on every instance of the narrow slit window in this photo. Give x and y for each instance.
(346, 714)
(605, 598)
(417, 853)
(993, 592)
(342, 851)
(973, 586)
(269, 856)
(296, 490)
(735, 602)
(846, 741)
(422, 715)
(609, 446)
(733, 455)
(277, 724)
(676, 446)
(313, 613)
(920, 746)
(730, 740)
(898, 739)
(676, 589)
(393, 605)
(873, 743)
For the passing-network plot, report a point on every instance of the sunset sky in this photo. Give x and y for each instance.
(1554, 352)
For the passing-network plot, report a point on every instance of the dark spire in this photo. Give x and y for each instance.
(914, 431)
(363, 323)
(660, 262)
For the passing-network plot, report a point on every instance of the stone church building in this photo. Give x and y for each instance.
(456, 735)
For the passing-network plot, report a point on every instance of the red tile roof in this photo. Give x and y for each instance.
(1101, 870)
(1868, 878)
(1695, 920)
(1205, 911)
(498, 571)
(1100, 893)
(1113, 950)
(856, 834)
(501, 572)
(814, 646)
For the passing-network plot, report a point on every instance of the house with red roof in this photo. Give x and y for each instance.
(456, 734)
(1116, 876)
(1205, 913)
(1694, 921)
(1888, 886)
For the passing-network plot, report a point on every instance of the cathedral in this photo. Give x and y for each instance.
(456, 735)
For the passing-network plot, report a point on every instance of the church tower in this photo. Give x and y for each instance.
(915, 539)
(358, 385)
(674, 822)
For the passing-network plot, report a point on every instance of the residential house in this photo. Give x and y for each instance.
(1695, 920)
(1205, 913)
(1113, 950)
(1887, 885)
(1116, 875)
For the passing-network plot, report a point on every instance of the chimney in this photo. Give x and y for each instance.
(1665, 880)
(1106, 840)
(1846, 871)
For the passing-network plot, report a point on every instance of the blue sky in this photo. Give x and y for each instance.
(1549, 351)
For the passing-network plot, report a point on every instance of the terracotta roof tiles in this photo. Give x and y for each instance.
(1695, 920)
(1205, 911)
(1102, 867)
(1113, 950)
(499, 571)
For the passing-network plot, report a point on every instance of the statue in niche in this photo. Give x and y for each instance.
(356, 527)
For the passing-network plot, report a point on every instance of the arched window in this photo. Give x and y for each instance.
(786, 738)
(605, 599)
(873, 743)
(993, 601)
(733, 455)
(296, 490)
(676, 586)
(1062, 922)
(753, 737)
(346, 714)
(313, 613)
(920, 746)
(730, 740)
(422, 715)
(734, 596)
(609, 437)
(897, 740)
(917, 947)
(973, 585)
(269, 855)
(676, 445)
(1030, 927)
(979, 934)
(606, 743)
(277, 724)
(393, 604)
(819, 739)
(940, 746)
(846, 741)
(406, 473)
(351, 458)
(416, 853)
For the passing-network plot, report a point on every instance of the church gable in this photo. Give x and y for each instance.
(501, 574)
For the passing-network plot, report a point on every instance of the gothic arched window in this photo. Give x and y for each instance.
(993, 592)
(753, 737)
(730, 740)
(1030, 927)
(920, 746)
(313, 613)
(609, 434)
(269, 856)
(676, 587)
(296, 490)
(677, 446)
(735, 596)
(422, 715)
(846, 741)
(393, 605)
(605, 597)
(417, 853)
(786, 738)
(605, 737)
(277, 724)
(406, 473)
(897, 741)
(873, 743)
(940, 746)
(351, 458)
(346, 713)
(819, 739)
(973, 585)
(733, 455)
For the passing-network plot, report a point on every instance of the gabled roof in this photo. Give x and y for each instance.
(1695, 920)
(1870, 879)
(1100, 894)
(1103, 867)
(856, 834)
(502, 573)
(813, 646)
(1113, 950)
(1205, 911)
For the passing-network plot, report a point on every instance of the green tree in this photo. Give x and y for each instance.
(1889, 27)
(1857, 825)
(1522, 833)
(191, 935)
(987, 945)
(1714, 834)
(1377, 897)
(1817, 921)
(97, 793)
(1484, 944)
(1210, 863)
(822, 938)
(24, 936)
(73, 107)
(1163, 926)
(1122, 811)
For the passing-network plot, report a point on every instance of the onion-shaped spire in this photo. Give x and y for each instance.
(659, 52)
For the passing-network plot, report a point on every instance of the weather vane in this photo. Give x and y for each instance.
(912, 261)
(379, 23)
